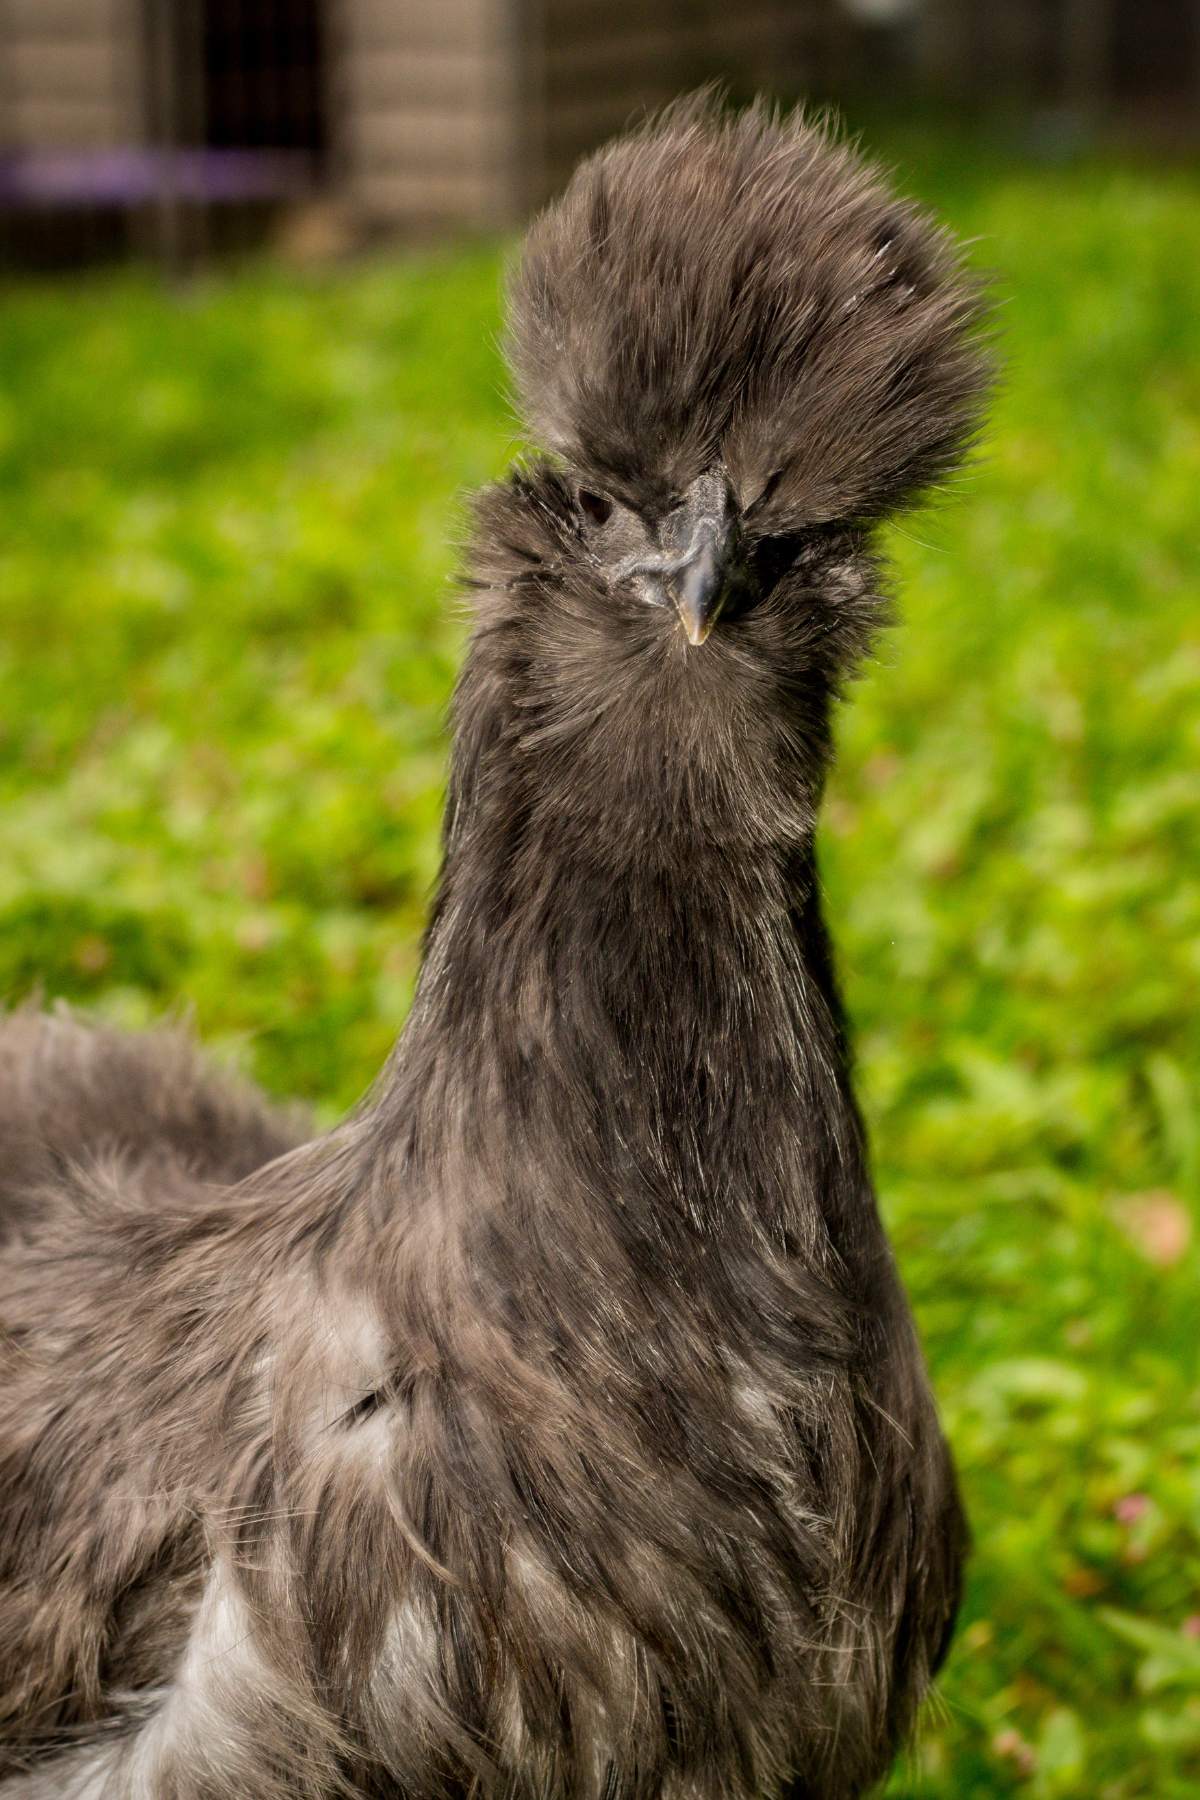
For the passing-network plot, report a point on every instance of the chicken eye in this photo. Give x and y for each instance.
(769, 491)
(597, 507)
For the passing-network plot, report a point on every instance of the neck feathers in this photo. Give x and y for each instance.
(627, 981)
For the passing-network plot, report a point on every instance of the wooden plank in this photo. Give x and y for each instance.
(397, 24)
(40, 69)
(432, 197)
(64, 124)
(422, 94)
(395, 79)
(80, 20)
(599, 59)
(429, 137)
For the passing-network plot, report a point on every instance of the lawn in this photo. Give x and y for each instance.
(228, 636)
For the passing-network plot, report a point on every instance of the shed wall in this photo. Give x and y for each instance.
(426, 104)
(70, 74)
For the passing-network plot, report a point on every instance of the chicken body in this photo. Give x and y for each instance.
(555, 1429)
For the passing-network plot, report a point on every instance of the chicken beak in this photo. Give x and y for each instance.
(699, 543)
(698, 588)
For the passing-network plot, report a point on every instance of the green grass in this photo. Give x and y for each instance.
(228, 638)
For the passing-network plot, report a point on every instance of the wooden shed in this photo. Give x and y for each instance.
(411, 114)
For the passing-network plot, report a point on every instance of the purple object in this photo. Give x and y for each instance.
(137, 176)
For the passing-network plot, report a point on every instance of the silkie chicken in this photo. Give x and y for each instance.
(555, 1427)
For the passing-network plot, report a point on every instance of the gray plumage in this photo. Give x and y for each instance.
(554, 1429)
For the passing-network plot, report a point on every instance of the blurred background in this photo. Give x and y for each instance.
(172, 127)
(251, 261)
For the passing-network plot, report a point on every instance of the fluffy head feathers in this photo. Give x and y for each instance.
(745, 292)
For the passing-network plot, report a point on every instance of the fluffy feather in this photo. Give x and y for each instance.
(745, 290)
